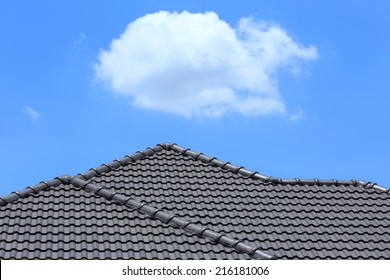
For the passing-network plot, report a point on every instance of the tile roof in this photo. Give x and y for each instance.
(168, 202)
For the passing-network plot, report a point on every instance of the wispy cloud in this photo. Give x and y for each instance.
(32, 113)
(81, 38)
(198, 65)
(298, 114)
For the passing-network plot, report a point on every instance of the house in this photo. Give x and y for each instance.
(169, 202)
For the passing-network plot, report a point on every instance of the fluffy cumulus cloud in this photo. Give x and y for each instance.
(197, 65)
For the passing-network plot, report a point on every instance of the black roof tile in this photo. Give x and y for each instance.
(168, 202)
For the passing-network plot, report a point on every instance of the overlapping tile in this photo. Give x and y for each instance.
(225, 200)
(305, 219)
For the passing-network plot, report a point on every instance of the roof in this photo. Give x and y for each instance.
(169, 202)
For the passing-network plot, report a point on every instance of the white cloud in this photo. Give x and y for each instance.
(198, 65)
(32, 113)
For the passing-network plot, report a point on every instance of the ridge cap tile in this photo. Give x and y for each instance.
(269, 179)
(171, 146)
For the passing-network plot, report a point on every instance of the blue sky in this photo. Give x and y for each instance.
(318, 108)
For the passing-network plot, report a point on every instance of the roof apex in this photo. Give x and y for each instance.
(107, 167)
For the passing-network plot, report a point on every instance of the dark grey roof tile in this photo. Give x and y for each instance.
(298, 219)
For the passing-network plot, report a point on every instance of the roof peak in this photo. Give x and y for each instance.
(107, 167)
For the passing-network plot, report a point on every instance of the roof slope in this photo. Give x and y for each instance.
(168, 202)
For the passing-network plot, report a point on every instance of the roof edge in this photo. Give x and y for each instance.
(268, 179)
(43, 185)
(107, 167)
(92, 172)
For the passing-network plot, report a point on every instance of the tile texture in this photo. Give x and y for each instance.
(287, 219)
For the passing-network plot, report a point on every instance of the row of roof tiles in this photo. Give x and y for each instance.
(83, 181)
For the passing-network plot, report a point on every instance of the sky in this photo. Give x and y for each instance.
(291, 89)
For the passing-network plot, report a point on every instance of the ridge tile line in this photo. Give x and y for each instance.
(172, 219)
(267, 179)
(107, 167)
(44, 185)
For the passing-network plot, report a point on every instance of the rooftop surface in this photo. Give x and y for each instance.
(168, 202)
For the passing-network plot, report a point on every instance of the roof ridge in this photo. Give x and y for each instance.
(171, 219)
(267, 179)
(107, 167)
(92, 172)
(116, 163)
(43, 185)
